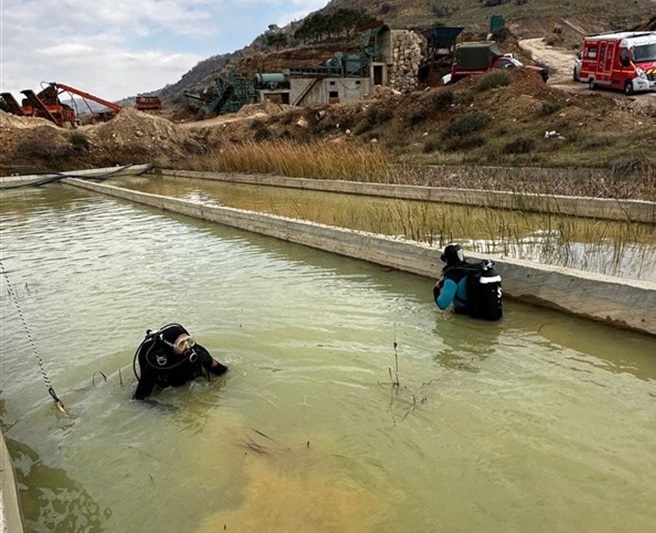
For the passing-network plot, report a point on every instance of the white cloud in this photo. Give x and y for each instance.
(118, 48)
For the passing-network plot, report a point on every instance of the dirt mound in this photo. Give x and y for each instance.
(140, 138)
(8, 120)
(37, 145)
(263, 108)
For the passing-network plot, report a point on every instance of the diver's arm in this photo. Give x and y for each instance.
(208, 362)
(447, 294)
(145, 385)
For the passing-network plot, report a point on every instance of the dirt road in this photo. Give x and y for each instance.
(560, 62)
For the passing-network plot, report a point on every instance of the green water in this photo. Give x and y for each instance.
(538, 423)
(621, 249)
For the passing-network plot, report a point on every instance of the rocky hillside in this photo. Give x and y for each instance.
(555, 20)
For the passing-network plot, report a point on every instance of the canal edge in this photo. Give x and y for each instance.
(624, 304)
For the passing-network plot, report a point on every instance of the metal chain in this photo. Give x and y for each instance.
(51, 390)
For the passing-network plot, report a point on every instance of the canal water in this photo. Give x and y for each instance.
(620, 249)
(539, 423)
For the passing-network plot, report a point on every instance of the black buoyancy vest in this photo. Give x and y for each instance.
(484, 293)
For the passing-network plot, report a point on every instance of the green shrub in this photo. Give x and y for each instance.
(79, 140)
(443, 99)
(379, 114)
(494, 78)
(361, 127)
(258, 124)
(521, 145)
(464, 143)
(465, 124)
(551, 106)
(431, 144)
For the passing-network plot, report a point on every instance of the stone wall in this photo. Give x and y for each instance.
(406, 57)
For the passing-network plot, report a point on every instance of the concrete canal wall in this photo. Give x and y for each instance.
(10, 516)
(601, 208)
(627, 304)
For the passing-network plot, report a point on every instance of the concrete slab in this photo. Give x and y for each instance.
(600, 208)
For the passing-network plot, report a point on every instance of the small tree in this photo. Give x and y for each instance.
(277, 40)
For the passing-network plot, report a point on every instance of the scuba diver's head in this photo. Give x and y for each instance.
(177, 338)
(452, 255)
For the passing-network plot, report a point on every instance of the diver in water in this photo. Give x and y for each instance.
(473, 288)
(170, 357)
(451, 287)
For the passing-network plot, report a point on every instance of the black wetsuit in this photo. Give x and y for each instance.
(160, 366)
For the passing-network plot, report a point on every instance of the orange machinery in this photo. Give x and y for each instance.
(47, 104)
(148, 103)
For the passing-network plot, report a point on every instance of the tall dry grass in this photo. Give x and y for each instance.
(319, 160)
(631, 178)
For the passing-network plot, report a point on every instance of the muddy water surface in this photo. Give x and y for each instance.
(538, 423)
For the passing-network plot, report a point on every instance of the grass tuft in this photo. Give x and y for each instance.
(492, 79)
(466, 124)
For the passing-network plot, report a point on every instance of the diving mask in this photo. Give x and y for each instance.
(182, 344)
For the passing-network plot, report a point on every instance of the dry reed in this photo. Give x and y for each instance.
(319, 160)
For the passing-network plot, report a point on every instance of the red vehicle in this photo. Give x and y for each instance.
(619, 60)
(481, 56)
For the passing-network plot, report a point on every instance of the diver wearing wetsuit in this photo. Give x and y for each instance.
(170, 357)
(452, 285)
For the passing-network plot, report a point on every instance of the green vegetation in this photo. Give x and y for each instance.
(551, 106)
(492, 79)
(341, 23)
(521, 145)
(466, 124)
(79, 140)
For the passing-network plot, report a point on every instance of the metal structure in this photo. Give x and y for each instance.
(228, 94)
(47, 104)
(341, 65)
(440, 49)
(148, 103)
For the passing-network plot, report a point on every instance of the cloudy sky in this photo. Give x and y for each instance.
(119, 48)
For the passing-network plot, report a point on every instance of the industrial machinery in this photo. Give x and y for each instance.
(228, 94)
(112, 108)
(440, 50)
(47, 104)
(341, 65)
(148, 103)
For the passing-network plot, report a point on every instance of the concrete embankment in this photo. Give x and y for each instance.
(601, 208)
(10, 516)
(626, 304)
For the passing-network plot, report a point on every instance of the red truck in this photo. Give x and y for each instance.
(618, 60)
(480, 56)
